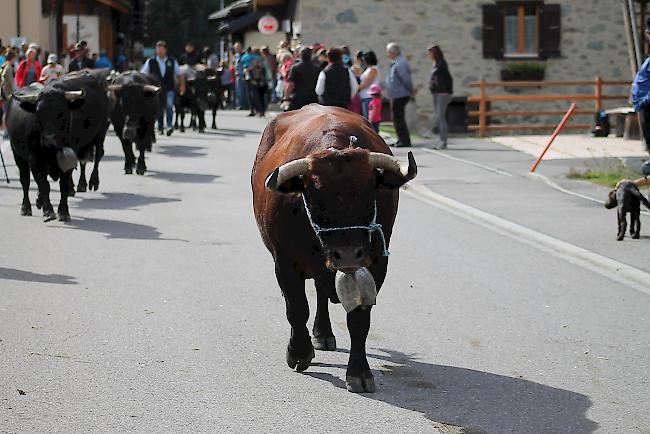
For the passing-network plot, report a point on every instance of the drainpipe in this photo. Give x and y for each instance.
(78, 12)
(17, 17)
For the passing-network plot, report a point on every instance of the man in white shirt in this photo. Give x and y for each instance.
(166, 71)
(336, 85)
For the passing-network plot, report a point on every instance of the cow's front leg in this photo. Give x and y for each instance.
(141, 167)
(214, 118)
(65, 184)
(94, 177)
(300, 350)
(323, 336)
(358, 378)
(83, 184)
(43, 200)
(129, 157)
(201, 119)
(23, 167)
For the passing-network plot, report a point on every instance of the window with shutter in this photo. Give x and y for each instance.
(521, 29)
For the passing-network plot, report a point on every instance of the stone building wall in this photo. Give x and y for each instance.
(592, 40)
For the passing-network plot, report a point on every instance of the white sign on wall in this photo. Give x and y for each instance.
(268, 25)
(88, 30)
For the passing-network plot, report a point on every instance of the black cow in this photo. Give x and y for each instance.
(214, 93)
(134, 112)
(50, 128)
(200, 83)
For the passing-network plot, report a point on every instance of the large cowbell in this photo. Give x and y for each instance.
(356, 289)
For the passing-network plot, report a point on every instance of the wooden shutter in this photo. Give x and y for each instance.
(550, 19)
(492, 32)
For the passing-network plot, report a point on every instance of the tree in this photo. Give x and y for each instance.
(177, 22)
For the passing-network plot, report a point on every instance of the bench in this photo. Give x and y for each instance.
(626, 122)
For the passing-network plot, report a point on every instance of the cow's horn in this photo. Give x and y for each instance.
(150, 88)
(287, 171)
(72, 95)
(115, 87)
(388, 163)
(29, 98)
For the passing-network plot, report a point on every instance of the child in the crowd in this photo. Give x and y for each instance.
(374, 107)
(52, 70)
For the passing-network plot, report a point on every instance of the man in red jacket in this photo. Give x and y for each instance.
(29, 69)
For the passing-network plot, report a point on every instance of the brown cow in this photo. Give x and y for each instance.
(310, 159)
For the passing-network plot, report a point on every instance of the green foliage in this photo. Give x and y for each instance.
(524, 68)
(606, 176)
(179, 21)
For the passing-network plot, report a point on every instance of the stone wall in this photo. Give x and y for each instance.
(592, 40)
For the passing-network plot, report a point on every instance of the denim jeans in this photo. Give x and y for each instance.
(365, 102)
(440, 103)
(170, 96)
(242, 94)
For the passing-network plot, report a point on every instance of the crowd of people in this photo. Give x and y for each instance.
(254, 77)
(303, 75)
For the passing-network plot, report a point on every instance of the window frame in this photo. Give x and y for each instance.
(521, 5)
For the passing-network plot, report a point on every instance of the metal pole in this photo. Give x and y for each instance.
(78, 12)
(635, 33)
(17, 17)
(222, 45)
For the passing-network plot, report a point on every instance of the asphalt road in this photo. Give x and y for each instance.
(156, 308)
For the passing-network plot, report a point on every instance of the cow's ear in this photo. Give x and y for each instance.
(28, 106)
(76, 104)
(389, 180)
(293, 185)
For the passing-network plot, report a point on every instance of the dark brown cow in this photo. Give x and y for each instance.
(310, 158)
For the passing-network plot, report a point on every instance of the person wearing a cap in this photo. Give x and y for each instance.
(52, 70)
(81, 60)
(29, 70)
(374, 106)
(166, 71)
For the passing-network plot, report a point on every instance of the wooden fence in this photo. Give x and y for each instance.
(483, 114)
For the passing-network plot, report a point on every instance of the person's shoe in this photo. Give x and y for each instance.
(251, 114)
(169, 132)
(161, 131)
(402, 145)
(441, 146)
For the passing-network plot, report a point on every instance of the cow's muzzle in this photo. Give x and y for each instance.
(348, 259)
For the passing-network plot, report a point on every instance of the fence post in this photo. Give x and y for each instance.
(599, 94)
(482, 109)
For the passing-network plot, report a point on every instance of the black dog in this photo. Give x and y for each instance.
(627, 197)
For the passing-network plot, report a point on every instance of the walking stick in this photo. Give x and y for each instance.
(3, 165)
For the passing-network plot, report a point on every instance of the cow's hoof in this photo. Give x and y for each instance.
(140, 170)
(94, 184)
(49, 215)
(201, 131)
(64, 217)
(360, 385)
(299, 363)
(324, 344)
(81, 188)
(619, 238)
(636, 236)
(148, 148)
(128, 171)
(26, 211)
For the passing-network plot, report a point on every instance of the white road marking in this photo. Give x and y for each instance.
(471, 163)
(591, 261)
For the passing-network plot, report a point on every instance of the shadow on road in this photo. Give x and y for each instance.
(230, 132)
(28, 276)
(183, 178)
(114, 229)
(475, 401)
(181, 151)
(120, 201)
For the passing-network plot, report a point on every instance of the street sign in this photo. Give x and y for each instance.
(268, 25)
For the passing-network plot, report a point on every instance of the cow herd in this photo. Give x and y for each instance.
(54, 127)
